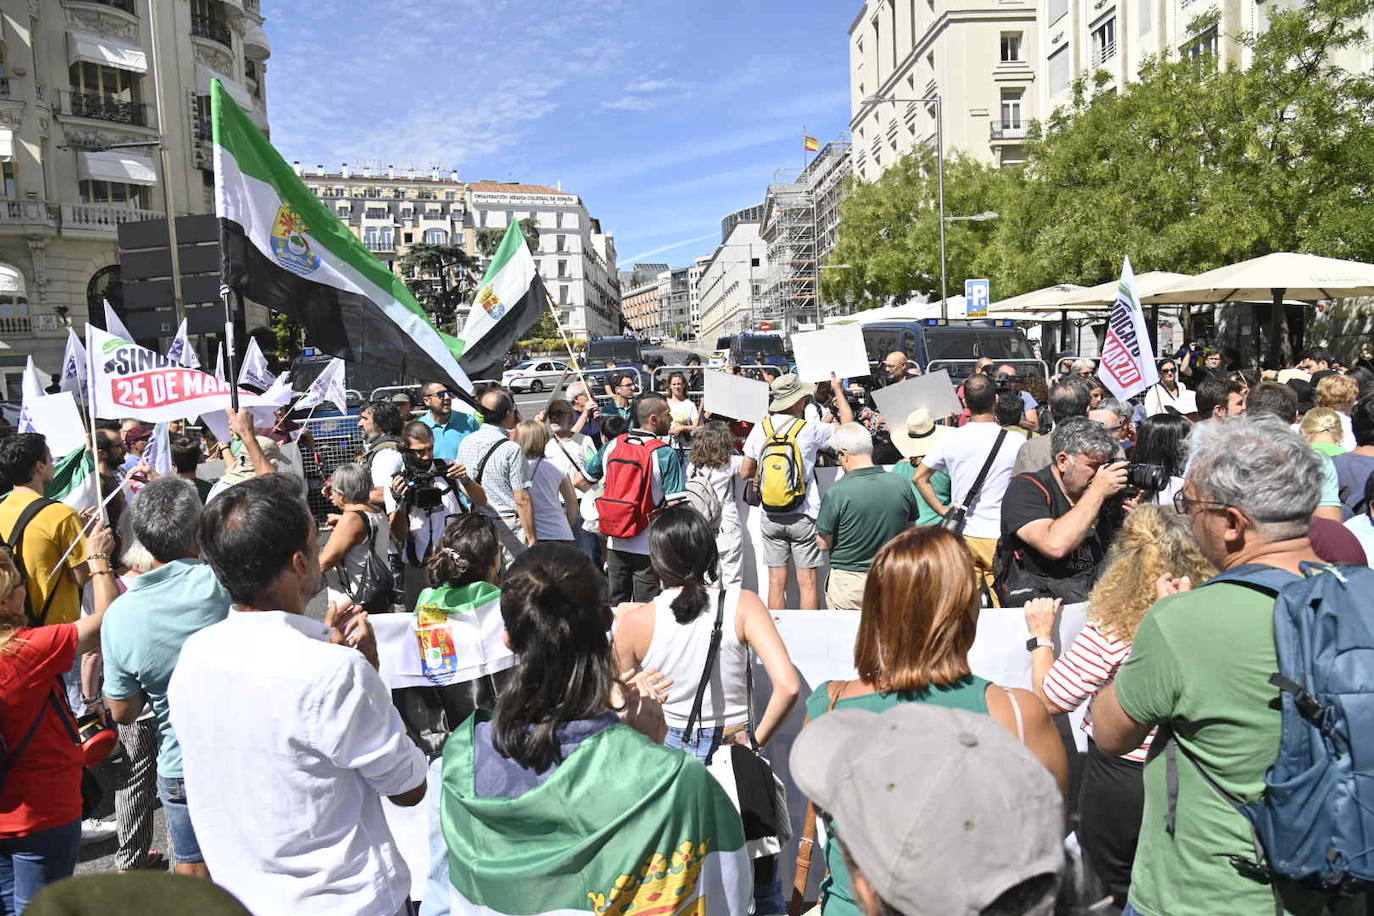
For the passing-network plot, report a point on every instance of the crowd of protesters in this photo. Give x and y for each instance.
(612, 528)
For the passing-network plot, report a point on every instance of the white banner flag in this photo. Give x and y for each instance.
(328, 386)
(158, 454)
(1128, 361)
(219, 362)
(254, 370)
(113, 325)
(74, 366)
(133, 381)
(181, 352)
(31, 389)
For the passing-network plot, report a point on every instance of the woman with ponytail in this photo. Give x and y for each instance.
(672, 635)
(1154, 543)
(553, 799)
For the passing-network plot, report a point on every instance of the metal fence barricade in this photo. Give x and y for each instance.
(334, 441)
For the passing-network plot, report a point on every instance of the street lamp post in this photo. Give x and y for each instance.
(939, 179)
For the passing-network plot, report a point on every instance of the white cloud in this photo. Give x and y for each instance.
(662, 248)
(630, 103)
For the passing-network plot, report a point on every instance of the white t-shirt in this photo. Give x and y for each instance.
(550, 518)
(426, 527)
(386, 464)
(570, 455)
(1364, 532)
(297, 741)
(812, 438)
(1158, 398)
(962, 451)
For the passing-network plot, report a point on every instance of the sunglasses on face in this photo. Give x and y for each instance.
(442, 395)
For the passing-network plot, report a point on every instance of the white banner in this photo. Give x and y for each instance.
(74, 366)
(328, 386)
(1128, 363)
(254, 370)
(181, 352)
(132, 381)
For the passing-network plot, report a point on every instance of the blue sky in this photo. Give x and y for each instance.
(664, 116)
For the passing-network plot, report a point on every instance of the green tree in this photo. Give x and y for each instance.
(441, 277)
(489, 239)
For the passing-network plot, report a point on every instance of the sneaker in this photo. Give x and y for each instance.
(94, 830)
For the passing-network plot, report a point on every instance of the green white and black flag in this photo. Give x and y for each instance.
(284, 249)
(509, 301)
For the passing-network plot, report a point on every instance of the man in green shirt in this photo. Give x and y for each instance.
(1200, 667)
(859, 514)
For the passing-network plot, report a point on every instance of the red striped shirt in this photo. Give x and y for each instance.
(1089, 665)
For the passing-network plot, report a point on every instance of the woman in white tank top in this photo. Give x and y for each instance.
(360, 530)
(672, 635)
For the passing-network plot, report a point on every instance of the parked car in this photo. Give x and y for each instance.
(535, 375)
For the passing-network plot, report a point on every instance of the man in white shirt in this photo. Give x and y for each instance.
(288, 736)
(963, 452)
(380, 423)
(789, 538)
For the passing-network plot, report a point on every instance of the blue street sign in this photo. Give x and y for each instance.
(976, 298)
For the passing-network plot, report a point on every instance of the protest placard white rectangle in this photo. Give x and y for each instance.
(839, 350)
(735, 396)
(933, 391)
(56, 417)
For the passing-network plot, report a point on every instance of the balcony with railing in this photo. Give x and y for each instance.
(101, 219)
(1103, 51)
(4, 87)
(1008, 129)
(98, 106)
(28, 214)
(205, 27)
(202, 128)
(13, 325)
(126, 6)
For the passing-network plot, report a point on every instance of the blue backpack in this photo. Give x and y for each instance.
(1314, 823)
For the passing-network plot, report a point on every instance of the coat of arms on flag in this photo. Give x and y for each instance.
(290, 244)
(491, 302)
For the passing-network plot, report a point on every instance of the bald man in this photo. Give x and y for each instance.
(898, 368)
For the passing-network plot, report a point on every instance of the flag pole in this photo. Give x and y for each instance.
(572, 357)
(230, 354)
(90, 412)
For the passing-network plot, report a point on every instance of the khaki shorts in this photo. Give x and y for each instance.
(845, 589)
(789, 540)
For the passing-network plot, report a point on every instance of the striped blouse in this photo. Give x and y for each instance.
(1089, 665)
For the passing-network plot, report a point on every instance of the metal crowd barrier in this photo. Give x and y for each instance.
(333, 441)
(963, 368)
(690, 373)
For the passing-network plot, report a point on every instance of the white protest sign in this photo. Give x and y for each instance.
(132, 381)
(735, 396)
(58, 419)
(839, 350)
(933, 391)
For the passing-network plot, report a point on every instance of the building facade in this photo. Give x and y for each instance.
(642, 303)
(977, 56)
(575, 258)
(694, 295)
(732, 285)
(79, 139)
(1114, 37)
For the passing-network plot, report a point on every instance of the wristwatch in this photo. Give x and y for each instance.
(1036, 642)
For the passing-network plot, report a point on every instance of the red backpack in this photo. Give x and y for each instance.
(628, 500)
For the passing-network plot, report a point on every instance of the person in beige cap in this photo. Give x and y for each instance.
(789, 536)
(252, 454)
(917, 437)
(944, 811)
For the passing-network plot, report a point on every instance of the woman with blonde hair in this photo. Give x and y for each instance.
(919, 617)
(713, 458)
(1154, 541)
(556, 509)
(1321, 427)
(40, 801)
(1339, 392)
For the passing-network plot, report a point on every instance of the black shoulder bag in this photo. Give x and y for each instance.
(757, 792)
(376, 586)
(957, 516)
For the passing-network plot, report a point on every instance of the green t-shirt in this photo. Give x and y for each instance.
(864, 510)
(969, 694)
(939, 481)
(1200, 663)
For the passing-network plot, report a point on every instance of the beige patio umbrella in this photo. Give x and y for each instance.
(1146, 284)
(1273, 278)
(1044, 305)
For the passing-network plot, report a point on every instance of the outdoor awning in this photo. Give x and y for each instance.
(108, 52)
(237, 91)
(6, 144)
(117, 165)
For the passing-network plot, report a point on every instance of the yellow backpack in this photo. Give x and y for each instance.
(782, 475)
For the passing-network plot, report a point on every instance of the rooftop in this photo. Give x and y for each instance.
(516, 188)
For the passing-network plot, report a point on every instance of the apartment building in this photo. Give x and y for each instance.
(976, 56)
(731, 286)
(79, 137)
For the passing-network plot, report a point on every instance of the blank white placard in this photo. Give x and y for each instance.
(735, 396)
(839, 350)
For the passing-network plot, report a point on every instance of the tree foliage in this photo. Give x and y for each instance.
(489, 239)
(1197, 164)
(441, 277)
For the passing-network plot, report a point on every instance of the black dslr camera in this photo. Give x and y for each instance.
(422, 489)
(1151, 477)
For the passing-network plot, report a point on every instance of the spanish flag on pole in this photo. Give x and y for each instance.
(811, 144)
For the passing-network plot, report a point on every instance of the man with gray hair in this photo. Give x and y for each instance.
(1056, 522)
(1200, 665)
(1118, 418)
(865, 509)
(143, 633)
(1069, 397)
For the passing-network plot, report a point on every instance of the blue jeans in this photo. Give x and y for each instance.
(704, 741)
(1130, 910)
(30, 863)
(185, 848)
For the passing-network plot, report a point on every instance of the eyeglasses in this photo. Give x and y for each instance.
(1167, 370)
(1185, 506)
(444, 395)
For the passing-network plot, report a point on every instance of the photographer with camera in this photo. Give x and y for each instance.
(1058, 522)
(422, 499)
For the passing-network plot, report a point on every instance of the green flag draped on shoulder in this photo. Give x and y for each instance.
(283, 248)
(509, 301)
(622, 827)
